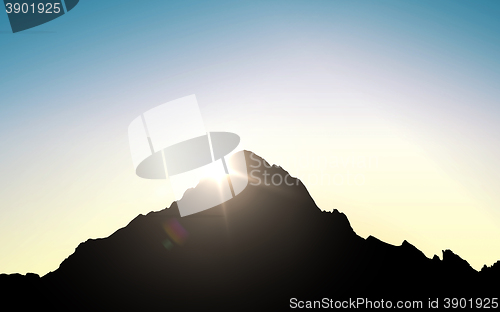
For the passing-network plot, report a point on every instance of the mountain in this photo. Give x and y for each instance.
(256, 251)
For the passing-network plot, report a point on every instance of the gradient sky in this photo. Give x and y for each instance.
(314, 86)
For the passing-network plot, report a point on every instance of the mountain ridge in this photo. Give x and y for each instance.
(269, 239)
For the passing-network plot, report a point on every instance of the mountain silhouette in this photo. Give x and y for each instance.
(256, 251)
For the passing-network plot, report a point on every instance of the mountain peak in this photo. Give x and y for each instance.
(269, 239)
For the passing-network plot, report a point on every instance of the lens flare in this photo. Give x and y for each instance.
(176, 232)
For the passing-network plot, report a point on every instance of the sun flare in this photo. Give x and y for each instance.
(215, 173)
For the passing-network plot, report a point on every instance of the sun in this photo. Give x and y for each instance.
(215, 173)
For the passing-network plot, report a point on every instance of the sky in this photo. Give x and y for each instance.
(386, 110)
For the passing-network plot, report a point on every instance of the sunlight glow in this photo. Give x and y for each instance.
(215, 173)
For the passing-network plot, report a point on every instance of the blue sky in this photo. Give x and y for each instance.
(413, 83)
